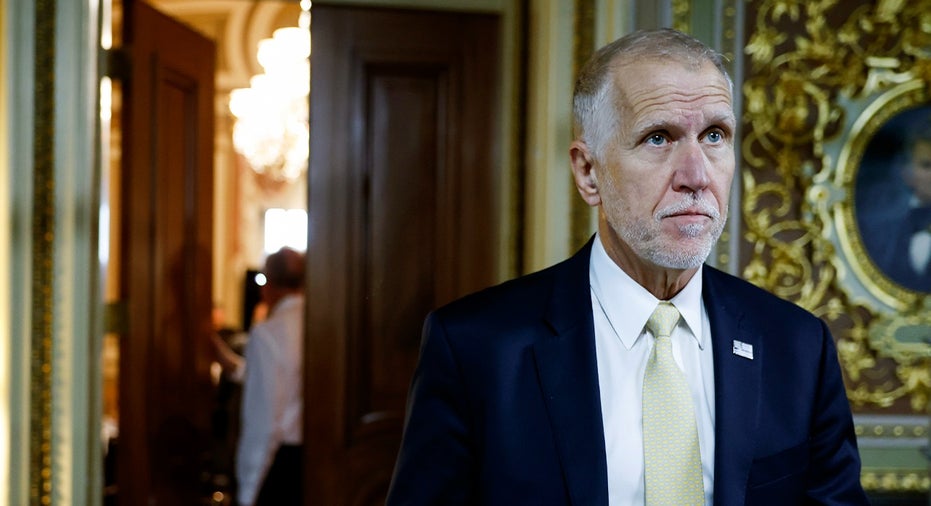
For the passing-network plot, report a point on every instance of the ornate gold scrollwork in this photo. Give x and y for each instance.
(823, 77)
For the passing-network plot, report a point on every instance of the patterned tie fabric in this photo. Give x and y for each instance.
(670, 438)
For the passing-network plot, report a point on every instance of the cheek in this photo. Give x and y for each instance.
(640, 197)
(620, 197)
(642, 181)
(722, 186)
(721, 181)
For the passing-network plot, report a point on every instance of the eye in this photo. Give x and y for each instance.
(714, 136)
(656, 139)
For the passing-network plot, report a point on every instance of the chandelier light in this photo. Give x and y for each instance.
(271, 129)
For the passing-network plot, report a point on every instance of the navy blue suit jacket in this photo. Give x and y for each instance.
(505, 409)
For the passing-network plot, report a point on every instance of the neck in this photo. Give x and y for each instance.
(663, 282)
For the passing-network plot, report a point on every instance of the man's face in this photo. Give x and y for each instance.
(919, 171)
(664, 182)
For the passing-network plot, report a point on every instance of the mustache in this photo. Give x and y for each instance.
(694, 204)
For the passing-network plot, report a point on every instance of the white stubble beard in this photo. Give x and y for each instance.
(648, 242)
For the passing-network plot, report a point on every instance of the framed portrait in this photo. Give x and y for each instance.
(892, 199)
(880, 207)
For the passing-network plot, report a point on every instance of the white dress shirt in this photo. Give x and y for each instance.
(919, 246)
(919, 251)
(272, 399)
(621, 309)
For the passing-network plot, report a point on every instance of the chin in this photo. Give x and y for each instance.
(675, 257)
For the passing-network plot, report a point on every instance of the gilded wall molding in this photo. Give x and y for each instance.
(894, 480)
(892, 452)
(583, 45)
(822, 76)
(43, 236)
(730, 44)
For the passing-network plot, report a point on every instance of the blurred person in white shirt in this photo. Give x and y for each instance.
(269, 454)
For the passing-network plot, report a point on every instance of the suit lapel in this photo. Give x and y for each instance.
(568, 375)
(737, 389)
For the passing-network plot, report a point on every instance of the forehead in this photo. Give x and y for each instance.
(656, 87)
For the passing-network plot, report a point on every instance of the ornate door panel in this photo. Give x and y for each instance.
(165, 261)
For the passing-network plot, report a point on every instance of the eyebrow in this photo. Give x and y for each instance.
(728, 118)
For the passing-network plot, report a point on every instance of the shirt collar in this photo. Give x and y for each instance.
(628, 305)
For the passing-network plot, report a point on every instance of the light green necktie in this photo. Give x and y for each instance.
(671, 457)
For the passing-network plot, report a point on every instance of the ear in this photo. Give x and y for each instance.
(583, 171)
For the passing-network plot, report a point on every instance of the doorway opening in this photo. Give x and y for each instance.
(198, 280)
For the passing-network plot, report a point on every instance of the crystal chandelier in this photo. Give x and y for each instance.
(271, 129)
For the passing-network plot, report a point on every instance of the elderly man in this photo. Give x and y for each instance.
(631, 373)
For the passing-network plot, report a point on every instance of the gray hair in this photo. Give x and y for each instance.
(594, 109)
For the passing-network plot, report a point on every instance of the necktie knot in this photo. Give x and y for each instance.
(663, 320)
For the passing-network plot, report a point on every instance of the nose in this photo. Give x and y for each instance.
(691, 169)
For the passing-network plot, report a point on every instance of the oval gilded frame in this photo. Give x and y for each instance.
(902, 327)
(871, 285)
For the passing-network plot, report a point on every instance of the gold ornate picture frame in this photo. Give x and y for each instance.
(863, 194)
(822, 78)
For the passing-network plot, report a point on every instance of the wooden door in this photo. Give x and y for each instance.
(165, 260)
(404, 153)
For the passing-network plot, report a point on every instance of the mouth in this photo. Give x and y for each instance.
(690, 214)
(687, 219)
(691, 218)
(691, 210)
